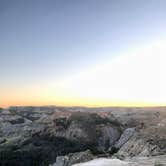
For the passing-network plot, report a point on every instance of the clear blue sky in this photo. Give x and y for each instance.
(50, 39)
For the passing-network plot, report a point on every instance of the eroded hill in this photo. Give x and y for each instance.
(38, 135)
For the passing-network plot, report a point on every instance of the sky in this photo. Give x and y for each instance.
(82, 52)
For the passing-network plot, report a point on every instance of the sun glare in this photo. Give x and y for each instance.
(134, 77)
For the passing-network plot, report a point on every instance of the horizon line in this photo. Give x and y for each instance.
(83, 106)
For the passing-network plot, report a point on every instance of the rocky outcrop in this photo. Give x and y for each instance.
(136, 147)
(126, 135)
(73, 158)
(135, 161)
(149, 161)
(107, 162)
(89, 130)
(38, 135)
(109, 135)
(29, 141)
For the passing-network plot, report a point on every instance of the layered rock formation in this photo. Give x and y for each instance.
(35, 137)
(32, 136)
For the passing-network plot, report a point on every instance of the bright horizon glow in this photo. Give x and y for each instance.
(83, 53)
(134, 78)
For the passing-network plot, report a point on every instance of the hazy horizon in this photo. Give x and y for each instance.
(83, 53)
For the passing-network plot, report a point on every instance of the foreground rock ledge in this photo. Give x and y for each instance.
(107, 162)
(135, 161)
